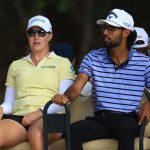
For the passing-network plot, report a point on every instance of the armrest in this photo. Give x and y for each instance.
(141, 136)
(56, 123)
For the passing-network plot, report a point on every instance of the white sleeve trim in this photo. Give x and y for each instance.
(87, 89)
(64, 85)
(8, 103)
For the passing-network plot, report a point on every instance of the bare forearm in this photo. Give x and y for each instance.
(72, 93)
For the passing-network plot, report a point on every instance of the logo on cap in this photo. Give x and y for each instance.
(37, 19)
(112, 14)
(126, 24)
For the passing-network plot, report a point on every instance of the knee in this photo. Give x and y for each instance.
(35, 134)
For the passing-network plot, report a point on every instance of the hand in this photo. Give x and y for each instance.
(31, 117)
(1, 112)
(144, 112)
(60, 99)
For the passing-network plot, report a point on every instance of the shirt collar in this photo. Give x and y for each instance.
(129, 55)
(51, 55)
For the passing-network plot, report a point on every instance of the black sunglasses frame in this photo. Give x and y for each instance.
(32, 33)
(110, 28)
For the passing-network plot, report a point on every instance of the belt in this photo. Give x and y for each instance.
(110, 112)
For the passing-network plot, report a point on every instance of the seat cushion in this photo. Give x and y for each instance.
(103, 144)
(58, 145)
(111, 144)
(81, 108)
(21, 146)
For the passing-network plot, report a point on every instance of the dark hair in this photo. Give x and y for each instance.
(131, 39)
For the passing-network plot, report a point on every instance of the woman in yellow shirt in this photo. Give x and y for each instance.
(31, 82)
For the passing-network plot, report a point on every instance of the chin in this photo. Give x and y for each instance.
(36, 50)
(106, 44)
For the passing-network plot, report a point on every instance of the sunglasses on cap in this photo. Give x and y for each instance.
(32, 33)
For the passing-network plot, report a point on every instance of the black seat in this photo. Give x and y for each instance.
(56, 123)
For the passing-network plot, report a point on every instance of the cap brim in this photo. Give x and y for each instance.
(101, 22)
(35, 24)
(140, 46)
(145, 44)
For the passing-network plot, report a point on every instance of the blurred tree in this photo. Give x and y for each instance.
(73, 21)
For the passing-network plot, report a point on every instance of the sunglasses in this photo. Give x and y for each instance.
(32, 33)
(110, 29)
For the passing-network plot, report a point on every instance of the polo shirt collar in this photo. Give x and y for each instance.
(129, 55)
(51, 55)
(124, 63)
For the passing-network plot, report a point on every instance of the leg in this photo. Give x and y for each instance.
(35, 135)
(52, 137)
(11, 133)
(126, 131)
(86, 130)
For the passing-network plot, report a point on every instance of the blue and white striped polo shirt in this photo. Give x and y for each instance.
(117, 89)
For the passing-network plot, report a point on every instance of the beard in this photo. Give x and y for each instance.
(109, 43)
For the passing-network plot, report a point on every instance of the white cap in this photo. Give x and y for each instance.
(141, 36)
(40, 21)
(118, 18)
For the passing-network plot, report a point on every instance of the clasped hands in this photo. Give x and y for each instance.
(60, 99)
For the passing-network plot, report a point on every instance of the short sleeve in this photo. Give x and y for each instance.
(85, 66)
(147, 75)
(66, 71)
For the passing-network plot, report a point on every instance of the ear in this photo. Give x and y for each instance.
(126, 33)
(73, 62)
(50, 37)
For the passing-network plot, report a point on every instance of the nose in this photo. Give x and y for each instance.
(104, 31)
(36, 35)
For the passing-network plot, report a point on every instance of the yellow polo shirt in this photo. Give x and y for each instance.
(36, 85)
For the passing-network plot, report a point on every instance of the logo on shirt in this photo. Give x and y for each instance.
(71, 68)
(52, 67)
(100, 58)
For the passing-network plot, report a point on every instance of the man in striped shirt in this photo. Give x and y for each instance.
(119, 75)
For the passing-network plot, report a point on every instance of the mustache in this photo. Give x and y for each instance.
(105, 36)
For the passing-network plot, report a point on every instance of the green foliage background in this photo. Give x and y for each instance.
(73, 21)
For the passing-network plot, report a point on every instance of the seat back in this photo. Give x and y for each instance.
(81, 108)
(56, 123)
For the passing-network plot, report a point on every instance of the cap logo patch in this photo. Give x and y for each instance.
(112, 14)
(37, 19)
(126, 24)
